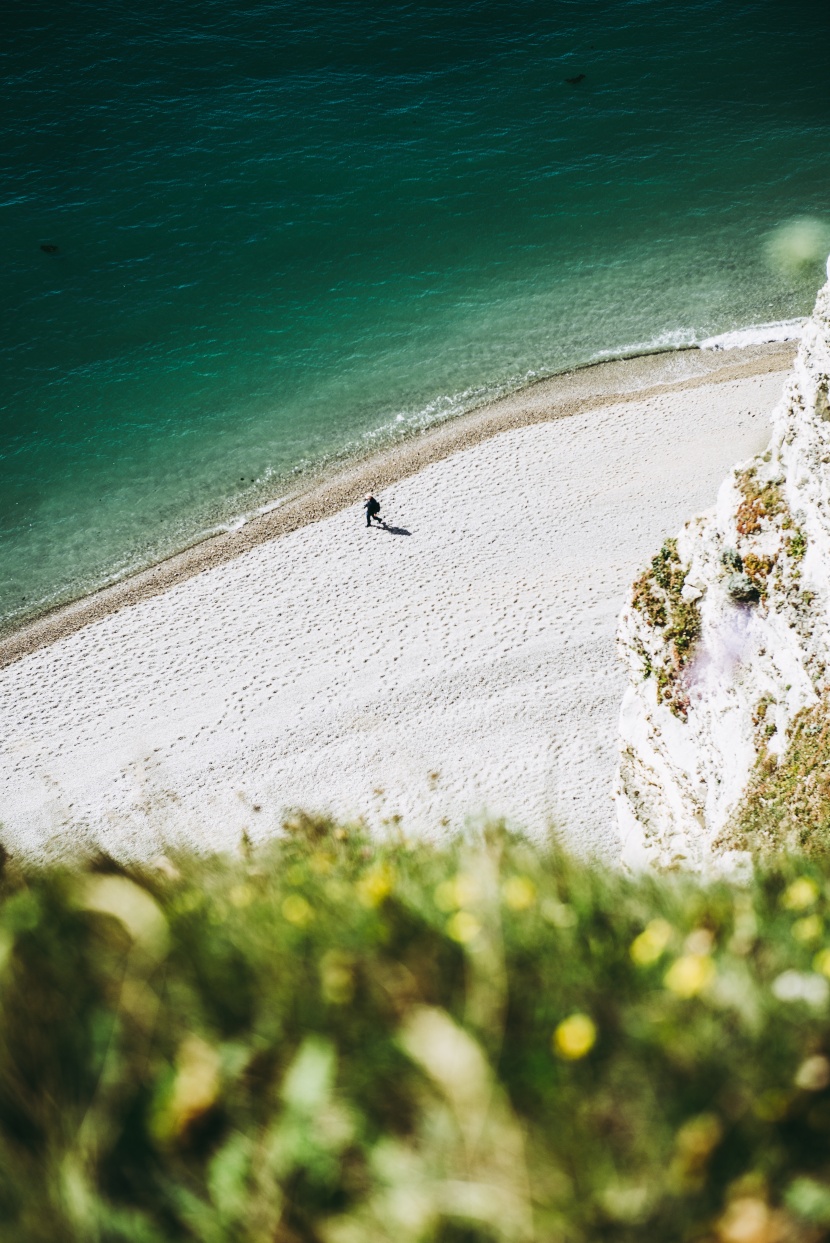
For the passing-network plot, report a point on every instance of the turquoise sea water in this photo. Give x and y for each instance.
(286, 232)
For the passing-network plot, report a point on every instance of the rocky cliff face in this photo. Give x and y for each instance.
(727, 635)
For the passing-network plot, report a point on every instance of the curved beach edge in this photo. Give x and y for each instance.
(561, 396)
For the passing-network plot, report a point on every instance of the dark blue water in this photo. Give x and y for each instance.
(286, 232)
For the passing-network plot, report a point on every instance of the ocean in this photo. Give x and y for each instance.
(245, 240)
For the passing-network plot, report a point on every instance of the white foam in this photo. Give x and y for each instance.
(266, 509)
(756, 334)
(686, 338)
(235, 524)
(242, 520)
(673, 339)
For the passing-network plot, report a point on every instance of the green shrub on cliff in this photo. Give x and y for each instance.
(787, 801)
(658, 596)
(337, 1041)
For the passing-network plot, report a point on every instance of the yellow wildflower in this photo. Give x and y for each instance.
(376, 885)
(649, 945)
(808, 929)
(297, 911)
(463, 927)
(519, 893)
(460, 891)
(800, 894)
(689, 975)
(575, 1037)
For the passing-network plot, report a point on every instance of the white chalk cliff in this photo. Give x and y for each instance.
(727, 635)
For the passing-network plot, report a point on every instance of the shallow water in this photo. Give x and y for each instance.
(286, 233)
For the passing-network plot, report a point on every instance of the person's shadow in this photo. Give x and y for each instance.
(396, 530)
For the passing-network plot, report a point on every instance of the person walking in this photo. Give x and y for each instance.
(372, 507)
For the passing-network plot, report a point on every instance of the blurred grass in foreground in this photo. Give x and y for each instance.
(334, 1040)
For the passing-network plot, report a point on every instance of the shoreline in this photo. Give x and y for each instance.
(458, 664)
(569, 393)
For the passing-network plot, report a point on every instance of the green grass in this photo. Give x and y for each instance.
(787, 803)
(331, 1040)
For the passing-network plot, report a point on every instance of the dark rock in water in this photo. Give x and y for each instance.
(742, 589)
(731, 558)
(580, 77)
(48, 248)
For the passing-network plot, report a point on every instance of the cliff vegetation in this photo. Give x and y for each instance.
(787, 802)
(658, 596)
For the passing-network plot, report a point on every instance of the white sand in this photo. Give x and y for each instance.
(465, 668)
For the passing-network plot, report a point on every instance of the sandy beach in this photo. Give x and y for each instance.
(458, 664)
